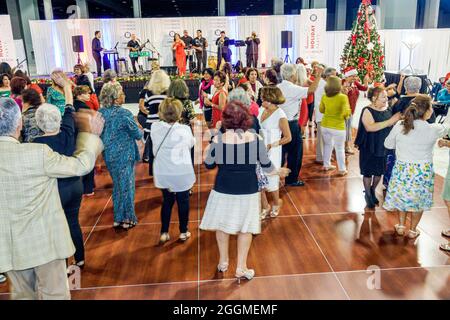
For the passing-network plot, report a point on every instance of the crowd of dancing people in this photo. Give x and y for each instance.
(51, 141)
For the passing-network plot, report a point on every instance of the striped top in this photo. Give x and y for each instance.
(151, 103)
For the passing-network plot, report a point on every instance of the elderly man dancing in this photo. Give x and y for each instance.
(34, 234)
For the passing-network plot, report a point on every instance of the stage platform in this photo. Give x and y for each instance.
(132, 87)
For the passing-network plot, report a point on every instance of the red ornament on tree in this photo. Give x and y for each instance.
(361, 62)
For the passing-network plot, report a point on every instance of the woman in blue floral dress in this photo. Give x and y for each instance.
(121, 152)
(412, 184)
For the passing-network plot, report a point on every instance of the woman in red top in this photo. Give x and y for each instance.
(180, 56)
(351, 87)
(303, 81)
(219, 99)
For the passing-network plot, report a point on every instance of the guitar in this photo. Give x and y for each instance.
(140, 47)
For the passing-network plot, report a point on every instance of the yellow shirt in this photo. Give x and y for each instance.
(335, 109)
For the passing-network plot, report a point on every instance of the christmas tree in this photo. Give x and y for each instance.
(363, 50)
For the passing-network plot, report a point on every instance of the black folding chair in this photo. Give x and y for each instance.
(441, 111)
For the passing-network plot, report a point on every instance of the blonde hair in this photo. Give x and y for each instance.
(159, 82)
(170, 110)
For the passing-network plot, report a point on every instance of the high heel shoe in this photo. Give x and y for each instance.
(264, 213)
(244, 274)
(276, 209)
(400, 230)
(222, 267)
(374, 198)
(369, 201)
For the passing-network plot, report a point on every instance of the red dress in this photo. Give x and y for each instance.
(216, 113)
(180, 57)
(303, 119)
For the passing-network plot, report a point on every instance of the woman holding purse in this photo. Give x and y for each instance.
(173, 171)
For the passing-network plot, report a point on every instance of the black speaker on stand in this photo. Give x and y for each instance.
(78, 46)
(286, 43)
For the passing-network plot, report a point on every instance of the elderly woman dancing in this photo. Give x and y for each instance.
(121, 152)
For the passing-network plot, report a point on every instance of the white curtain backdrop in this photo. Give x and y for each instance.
(52, 40)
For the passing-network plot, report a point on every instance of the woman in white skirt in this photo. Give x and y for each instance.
(234, 206)
(276, 133)
(412, 183)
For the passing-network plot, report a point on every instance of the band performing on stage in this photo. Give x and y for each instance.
(188, 53)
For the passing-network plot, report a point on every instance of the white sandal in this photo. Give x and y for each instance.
(400, 230)
(222, 267)
(264, 213)
(275, 211)
(244, 274)
(413, 234)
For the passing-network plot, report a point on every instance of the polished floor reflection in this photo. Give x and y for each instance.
(324, 245)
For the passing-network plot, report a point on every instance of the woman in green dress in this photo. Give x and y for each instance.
(55, 94)
(5, 88)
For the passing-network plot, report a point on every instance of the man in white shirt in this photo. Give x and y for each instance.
(317, 99)
(294, 95)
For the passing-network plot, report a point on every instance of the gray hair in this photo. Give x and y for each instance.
(413, 84)
(109, 76)
(328, 72)
(288, 70)
(239, 94)
(48, 118)
(276, 64)
(10, 117)
(110, 93)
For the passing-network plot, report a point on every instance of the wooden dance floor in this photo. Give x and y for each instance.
(320, 247)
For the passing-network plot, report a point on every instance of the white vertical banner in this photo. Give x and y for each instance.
(313, 28)
(7, 45)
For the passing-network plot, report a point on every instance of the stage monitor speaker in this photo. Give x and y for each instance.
(77, 44)
(286, 39)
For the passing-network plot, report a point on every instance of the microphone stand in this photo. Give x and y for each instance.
(155, 50)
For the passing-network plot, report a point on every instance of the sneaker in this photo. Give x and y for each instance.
(185, 236)
(164, 238)
(2, 278)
